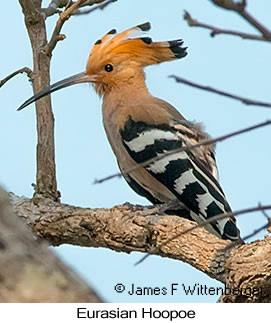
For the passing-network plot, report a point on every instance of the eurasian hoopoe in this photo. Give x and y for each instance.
(140, 127)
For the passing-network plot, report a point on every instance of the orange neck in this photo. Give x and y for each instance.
(122, 86)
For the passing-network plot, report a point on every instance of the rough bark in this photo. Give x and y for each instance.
(46, 170)
(134, 228)
(29, 272)
(250, 267)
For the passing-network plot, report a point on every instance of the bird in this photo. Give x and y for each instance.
(142, 128)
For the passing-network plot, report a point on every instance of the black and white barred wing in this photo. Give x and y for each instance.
(182, 173)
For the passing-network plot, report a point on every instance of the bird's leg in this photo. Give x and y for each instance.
(151, 210)
(170, 205)
(161, 209)
(139, 210)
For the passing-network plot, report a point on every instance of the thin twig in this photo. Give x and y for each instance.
(212, 220)
(65, 15)
(101, 7)
(185, 148)
(220, 92)
(265, 32)
(264, 213)
(240, 8)
(254, 232)
(268, 218)
(53, 8)
(219, 31)
(26, 70)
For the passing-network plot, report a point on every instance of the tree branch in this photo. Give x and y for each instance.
(220, 92)
(26, 70)
(130, 228)
(221, 217)
(46, 169)
(29, 271)
(73, 9)
(249, 268)
(91, 2)
(227, 215)
(55, 4)
(240, 8)
(218, 31)
(53, 7)
(88, 11)
(65, 15)
(124, 228)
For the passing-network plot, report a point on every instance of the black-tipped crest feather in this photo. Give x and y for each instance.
(98, 42)
(175, 46)
(145, 27)
(147, 40)
(112, 32)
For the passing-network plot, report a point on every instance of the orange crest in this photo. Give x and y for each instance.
(128, 46)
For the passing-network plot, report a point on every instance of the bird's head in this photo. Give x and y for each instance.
(118, 59)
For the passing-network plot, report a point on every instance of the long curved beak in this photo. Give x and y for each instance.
(75, 79)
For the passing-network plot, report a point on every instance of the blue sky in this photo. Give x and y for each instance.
(83, 153)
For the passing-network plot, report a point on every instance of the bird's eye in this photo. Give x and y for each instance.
(108, 68)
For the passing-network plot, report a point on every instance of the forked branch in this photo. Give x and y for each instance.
(220, 31)
(101, 6)
(240, 7)
(65, 15)
(73, 9)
